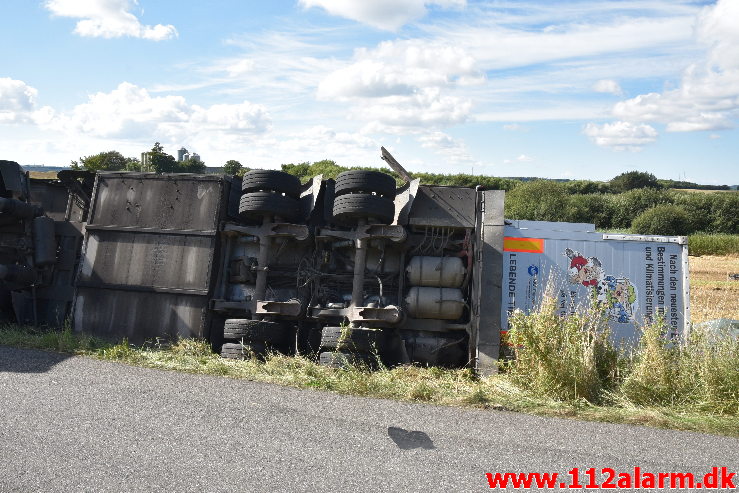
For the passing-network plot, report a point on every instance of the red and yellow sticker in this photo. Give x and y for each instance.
(526, 245)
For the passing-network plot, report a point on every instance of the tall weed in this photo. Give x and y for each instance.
(701, 371)
(568, 358)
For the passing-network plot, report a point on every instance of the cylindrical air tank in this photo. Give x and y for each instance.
(437, 303)
(445, 272)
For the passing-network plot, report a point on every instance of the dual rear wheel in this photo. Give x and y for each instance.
(269, 193)
(364, 195)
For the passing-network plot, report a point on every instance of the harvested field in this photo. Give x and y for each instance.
(712, 293)
(46, 175)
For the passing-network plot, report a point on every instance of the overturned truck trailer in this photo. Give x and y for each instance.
(351, 270)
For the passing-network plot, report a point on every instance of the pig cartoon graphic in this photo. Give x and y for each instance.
(585, 271)
(618, 294)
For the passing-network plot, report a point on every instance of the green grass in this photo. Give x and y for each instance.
(713, 244)
(584, 389)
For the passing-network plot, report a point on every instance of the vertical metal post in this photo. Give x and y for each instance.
(487, 288)
(360, 262)
(260, 285)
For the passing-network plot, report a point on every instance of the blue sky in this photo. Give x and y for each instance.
(559, 89)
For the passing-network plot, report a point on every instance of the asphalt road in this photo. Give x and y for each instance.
(78, 424)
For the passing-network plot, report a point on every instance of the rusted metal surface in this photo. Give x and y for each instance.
(147, 263)
(443, 207)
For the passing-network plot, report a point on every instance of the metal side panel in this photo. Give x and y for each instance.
(636, 279)
(452, 207)
(52, 197)
(147, 267)
(487, 285)
(169, 201)
(147, 259)
(139, 315)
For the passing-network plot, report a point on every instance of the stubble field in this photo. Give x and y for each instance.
(713, 294)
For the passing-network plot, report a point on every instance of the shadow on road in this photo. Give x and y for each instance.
(14, 360)
(406, 440)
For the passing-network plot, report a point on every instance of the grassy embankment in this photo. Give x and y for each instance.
(568, 368)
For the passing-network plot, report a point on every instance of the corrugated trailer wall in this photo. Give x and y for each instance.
(147, 261)
(637, 278)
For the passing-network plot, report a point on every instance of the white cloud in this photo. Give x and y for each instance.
(240, 67)
(608, 86)
(445, 145)
(425, 109)
(522, 158)
(323, 141)
(18, 103)
(108, 19)
(708, 95)
(17, 100)
(131, 112)
(403, 85)
(515, 42)
(382, 14)
(718, 26)
(398, 68)
(312, 143)
(543, 111)
(621, 136)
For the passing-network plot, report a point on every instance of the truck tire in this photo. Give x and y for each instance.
(349, 208)
(349, 339)
(345, 359)
(255, 330)
(243, 351)
(371, 182)
(259, 204)
(270, 180)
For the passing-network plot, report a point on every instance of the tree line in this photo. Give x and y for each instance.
(634, 201)
(156, 160)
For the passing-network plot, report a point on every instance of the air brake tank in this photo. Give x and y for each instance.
(445, 272)
(437, 303)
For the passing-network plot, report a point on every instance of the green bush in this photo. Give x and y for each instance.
(591, 208)
(538, 200)
(725, 213)
(665, 219)
(633, 180)
(628, 205)
(587, 187)
(710, 212)
(465, 180)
